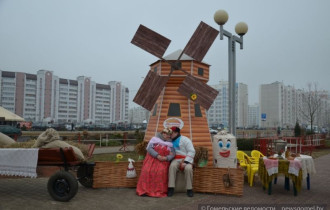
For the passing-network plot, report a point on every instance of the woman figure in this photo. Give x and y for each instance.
(154, 173)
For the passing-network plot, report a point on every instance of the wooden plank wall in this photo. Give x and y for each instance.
(190, 66)
(195, 128)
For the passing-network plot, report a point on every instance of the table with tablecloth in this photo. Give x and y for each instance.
(19, 162)
(308, 167)
(269, 169)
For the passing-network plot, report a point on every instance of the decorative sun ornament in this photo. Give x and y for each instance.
(119, 157)
(193, 96)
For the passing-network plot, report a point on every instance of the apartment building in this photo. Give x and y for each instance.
(138, 115)
(290, 109)
(242, 105)
(7, 85)
(67, 98)
(254, 116)
(218, 112)
(119, 103)
(270, 100)
(101, 108)
(284, 105)
(46, 97)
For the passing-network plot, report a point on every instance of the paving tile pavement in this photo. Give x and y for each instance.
(26, 193)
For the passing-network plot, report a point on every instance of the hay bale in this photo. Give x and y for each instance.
(49, 139)
(62, 144)
(46, 137)
(27, 144)
(5, 140)
(83, 147)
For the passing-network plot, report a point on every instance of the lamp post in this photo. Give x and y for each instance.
(221, 17)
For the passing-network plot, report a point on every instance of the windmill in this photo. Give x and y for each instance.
(175, 89)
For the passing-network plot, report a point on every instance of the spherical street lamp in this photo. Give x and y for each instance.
(221, 17)
(241, 28)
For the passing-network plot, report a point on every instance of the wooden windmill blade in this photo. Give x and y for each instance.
(150, 89)
(157, 44)
(204, 94)
(201, 41)
(150, 41)
(197, 47)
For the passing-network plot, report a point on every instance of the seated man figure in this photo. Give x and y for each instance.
(184, 157)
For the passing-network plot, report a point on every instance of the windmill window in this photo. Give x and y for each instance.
(200, 71)
(178, 65)
(155, 110)
(198, 112)
(155, 69)
(174, 110)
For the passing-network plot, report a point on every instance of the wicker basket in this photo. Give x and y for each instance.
(112, 174)
(206, 180)
(210, 180)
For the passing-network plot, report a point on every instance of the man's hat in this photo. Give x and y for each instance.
(175, 129)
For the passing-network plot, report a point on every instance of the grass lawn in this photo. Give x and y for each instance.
(112, 156)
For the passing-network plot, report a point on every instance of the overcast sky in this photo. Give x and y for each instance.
(287, 41)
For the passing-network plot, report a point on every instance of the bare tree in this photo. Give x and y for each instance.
(327, 118)
(311, 104)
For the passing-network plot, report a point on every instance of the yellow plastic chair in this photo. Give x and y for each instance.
(256, 155)
(241, 159)
(253, 168)
(247, 163)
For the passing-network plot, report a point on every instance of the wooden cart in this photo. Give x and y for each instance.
(63, 184)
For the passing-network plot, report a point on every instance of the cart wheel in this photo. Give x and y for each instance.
(62, 186)
(85, 175)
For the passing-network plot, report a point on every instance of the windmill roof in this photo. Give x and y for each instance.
(175, 55)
